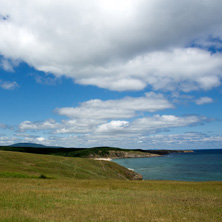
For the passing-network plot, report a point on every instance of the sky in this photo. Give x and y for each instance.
(130, 74)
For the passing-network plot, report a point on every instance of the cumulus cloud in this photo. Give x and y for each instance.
(181, 69)
(78, 126)
(119, 45)
(116, 109)
(126, 116)
(8, 85)
(141, 131)
(204, 100)
(113, 127)
(119, 128)
(158, 122)
(149, 125)
(93, 113)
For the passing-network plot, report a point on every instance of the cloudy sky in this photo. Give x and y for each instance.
(132, 74)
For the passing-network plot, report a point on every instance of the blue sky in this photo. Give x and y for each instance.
(130, 74)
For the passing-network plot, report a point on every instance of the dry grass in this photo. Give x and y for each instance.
(108, 200)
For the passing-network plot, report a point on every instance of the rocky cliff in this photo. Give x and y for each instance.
(114, 154)
(130, 154)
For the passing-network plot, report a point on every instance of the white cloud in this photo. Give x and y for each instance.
(116, 109)
(6, 65)
(40, 139)
(78, 126)
(192, 140)
(204, 100)
(140, 133)
(119, 45)
(48, 124)
(148, 125)
(157, 122)
(113, 127)
(120, 130)
(5, 140)
(93, 113)
(8, 85)
(181, 69)
(127, 116)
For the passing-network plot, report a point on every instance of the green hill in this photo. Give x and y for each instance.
(15, 164)
(95, 152)
(69, 152)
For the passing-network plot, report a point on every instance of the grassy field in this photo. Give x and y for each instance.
(105, 200)
(88, 190)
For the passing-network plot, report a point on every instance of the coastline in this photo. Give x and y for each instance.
(105, 159)
(136, 154)
(179, 167)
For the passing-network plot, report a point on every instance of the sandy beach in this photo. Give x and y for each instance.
(106, 159)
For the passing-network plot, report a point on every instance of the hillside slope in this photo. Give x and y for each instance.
(96, 152)
(16, 164)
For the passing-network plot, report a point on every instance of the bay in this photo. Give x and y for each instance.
(200, 165)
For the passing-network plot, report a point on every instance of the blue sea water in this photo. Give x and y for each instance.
(201, 165)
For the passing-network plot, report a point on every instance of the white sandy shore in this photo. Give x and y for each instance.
(106, 159)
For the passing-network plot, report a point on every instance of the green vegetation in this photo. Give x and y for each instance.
(88, 152)
(68, 152)
(25, 165)
(80, 152)
(44, 188)
(15, 175)
(108, 200)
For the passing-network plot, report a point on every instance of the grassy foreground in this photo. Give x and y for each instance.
(105, 200)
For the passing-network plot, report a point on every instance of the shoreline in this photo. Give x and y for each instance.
(105, 159)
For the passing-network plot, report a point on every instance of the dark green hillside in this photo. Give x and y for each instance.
(26, 165)
(69, 152)
(95, 152)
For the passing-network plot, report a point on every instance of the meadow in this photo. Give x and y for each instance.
(108, 200)
(25, 195)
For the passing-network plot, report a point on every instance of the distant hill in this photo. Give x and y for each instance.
(32, 145)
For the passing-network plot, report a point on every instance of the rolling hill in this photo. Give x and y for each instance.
(17, 164)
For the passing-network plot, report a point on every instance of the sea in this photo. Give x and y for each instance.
(200, 165)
